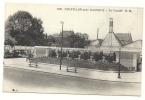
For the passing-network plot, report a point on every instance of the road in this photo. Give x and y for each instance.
(22, 80)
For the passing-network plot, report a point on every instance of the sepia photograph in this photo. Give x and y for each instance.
(72, 49)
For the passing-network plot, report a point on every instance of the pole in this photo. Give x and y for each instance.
(61, 45)
(119, 64)
(97, 32)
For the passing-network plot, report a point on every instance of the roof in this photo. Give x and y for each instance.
(111, 40)
(96, 42)
(135, 44)
(56, 35)
(125, 38)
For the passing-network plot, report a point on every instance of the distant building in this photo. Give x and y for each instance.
(95, 43)
(67, 33)
(56, 35)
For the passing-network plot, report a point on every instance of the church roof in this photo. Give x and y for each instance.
(111, 40)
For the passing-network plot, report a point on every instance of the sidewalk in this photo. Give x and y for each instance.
(81, 72)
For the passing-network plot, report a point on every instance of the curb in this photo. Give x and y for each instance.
(91, 69)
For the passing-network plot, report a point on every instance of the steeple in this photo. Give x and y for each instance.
(111, 25)
(111, 40)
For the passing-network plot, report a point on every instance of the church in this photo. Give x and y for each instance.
(128, 52)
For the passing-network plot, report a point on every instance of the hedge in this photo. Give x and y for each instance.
(83, 64)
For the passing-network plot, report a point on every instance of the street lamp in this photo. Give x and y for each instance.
(119, 64)
(61, 45)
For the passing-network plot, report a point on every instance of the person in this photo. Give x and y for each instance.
(29, 55)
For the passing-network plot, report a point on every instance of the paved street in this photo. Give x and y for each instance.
(23, 80)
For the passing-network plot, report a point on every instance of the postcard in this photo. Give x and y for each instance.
(72, 49)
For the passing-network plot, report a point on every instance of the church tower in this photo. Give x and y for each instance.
(111, 40)
(110, 32)
(111, 25)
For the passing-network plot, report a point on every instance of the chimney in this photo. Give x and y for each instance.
(111, 25)
(97, 32)
(46, 35)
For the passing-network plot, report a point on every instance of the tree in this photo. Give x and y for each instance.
(72, 41)
(25, 29)
(9, 40)
(48, 40)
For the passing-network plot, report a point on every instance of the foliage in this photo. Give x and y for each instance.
(64, 54)
(72, 41)
(76, 53)
(114, 56)
(22, 28)
(85, 64)
(72, 54)
(52, 53)
(10, 40)
(86, 55)
(48, 40)
(101, 55)
(96, 56)
(25, 29)
(110, 57)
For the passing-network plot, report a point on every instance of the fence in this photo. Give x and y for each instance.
(17, 51)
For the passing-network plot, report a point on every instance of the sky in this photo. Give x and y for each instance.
(84, 21)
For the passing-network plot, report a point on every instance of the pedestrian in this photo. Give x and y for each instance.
(28, 56)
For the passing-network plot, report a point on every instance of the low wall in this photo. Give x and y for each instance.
(18, 47)
(129, 59)
(39, 52)
(127, 62)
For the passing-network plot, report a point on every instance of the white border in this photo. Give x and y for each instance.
(34, 96)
